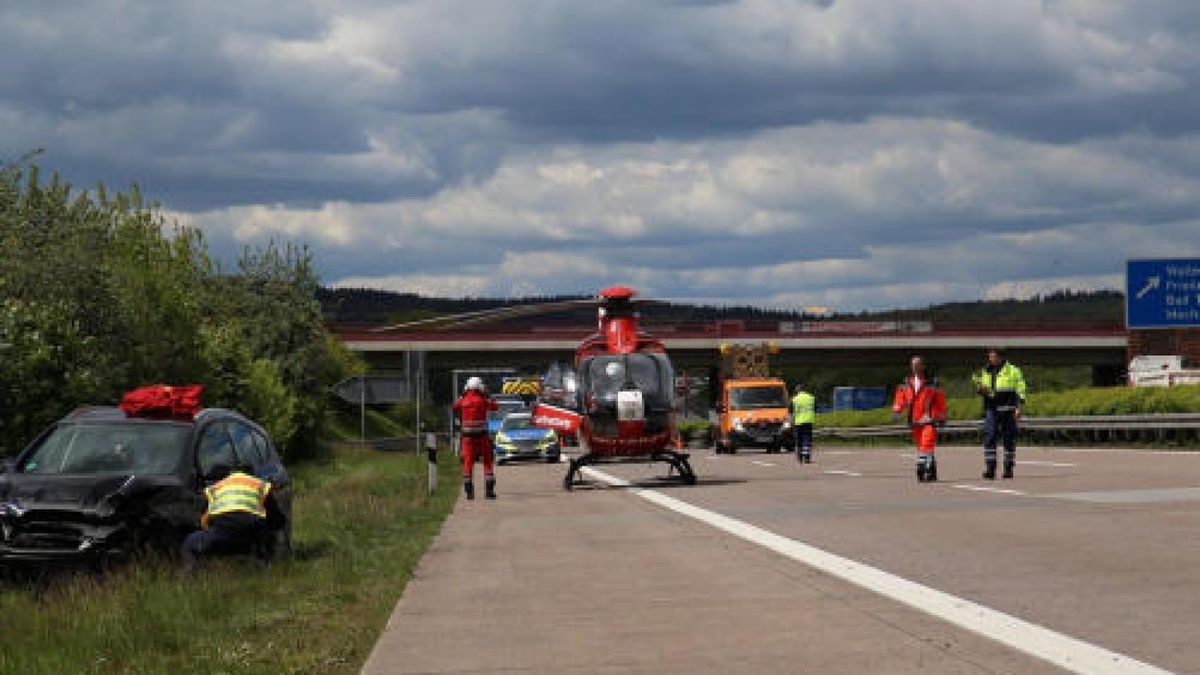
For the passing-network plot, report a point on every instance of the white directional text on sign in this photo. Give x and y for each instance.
(1162, 293)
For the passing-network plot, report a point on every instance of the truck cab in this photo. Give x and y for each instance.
(753, 412)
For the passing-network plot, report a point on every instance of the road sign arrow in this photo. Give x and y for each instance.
(1151, 284)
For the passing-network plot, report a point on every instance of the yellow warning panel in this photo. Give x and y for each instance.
(522, 387)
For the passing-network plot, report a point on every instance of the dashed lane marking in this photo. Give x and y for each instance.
(755, 461)
(1057, 648)
(843, 472)
(984, 488)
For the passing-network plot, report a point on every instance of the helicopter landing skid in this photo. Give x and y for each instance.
(677, 460)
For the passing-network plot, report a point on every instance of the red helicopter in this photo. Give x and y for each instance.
(624, 386)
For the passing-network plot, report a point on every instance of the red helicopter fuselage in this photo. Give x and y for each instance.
(626, 383)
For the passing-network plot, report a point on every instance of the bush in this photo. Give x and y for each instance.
(100, 294)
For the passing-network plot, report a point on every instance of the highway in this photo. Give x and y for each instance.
(1088, 561)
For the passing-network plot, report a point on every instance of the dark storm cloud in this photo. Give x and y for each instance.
(705, 149)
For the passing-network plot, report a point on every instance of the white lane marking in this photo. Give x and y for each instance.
(984, 488)
(755, 461)
(839, 452)
(1042, 463)
(1061, 650)
(1133, 451)
(843, 472)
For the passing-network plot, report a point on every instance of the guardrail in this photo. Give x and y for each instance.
(1093, 427)
(1161, 422)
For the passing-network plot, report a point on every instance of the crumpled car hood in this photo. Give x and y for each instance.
(78, 493)
(57, 514)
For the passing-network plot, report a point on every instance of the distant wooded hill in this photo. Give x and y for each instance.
(1084, 308)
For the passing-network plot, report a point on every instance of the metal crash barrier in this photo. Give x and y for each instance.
(1115, 427)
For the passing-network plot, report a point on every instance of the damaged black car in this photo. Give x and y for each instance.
(99, 485)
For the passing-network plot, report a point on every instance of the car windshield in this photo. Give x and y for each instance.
(748, 398)
(507, 408)
(516, 422)
(109, 448)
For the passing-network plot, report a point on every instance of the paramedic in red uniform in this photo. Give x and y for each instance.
(919, 396)
(472, 409)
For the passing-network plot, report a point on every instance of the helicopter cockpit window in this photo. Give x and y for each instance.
(649, 373)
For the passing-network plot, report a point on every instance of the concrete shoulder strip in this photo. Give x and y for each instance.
(1059, 649)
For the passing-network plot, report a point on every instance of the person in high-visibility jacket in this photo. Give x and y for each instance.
(804, 414)
(240, 518)
(1002, 386)
(920, 397)
(471, 409)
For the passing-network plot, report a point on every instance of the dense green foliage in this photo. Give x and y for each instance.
(99, 294)
(363, 520)
(1090, 401)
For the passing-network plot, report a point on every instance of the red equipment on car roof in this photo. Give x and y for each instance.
(162, 401)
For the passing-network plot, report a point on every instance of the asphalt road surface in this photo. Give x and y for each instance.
(1089, 560)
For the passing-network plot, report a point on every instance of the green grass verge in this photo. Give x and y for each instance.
(346, 426)
(363, 520)
(1090, 401)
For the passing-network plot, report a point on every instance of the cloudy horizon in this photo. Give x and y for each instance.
(841, 153)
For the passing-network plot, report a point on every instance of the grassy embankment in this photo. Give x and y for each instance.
(363, 521)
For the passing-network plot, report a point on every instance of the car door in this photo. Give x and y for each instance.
(268, 467)
(214, 448)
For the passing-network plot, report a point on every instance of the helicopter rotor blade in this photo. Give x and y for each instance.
(487, 315)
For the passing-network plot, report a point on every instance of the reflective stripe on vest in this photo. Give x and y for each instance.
(804, 408)
(1008, 379)
(238, 492)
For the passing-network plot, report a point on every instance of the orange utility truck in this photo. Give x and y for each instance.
(751, 406)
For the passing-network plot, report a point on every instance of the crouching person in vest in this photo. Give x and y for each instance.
(925, 404)
(241, 517)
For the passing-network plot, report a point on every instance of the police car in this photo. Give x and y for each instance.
(517, 438)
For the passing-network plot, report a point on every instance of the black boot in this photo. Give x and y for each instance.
(490, 488)
(469, 488)
(1008, 470)
(920, 473)
(989, 472)
(931, 475)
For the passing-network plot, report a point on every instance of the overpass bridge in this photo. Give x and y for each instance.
(815, 344)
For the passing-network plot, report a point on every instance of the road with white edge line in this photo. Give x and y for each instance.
(1084, 563)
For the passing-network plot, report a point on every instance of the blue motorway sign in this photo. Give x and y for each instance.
(1162, 293)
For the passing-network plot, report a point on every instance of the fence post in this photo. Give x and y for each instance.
(431, 450)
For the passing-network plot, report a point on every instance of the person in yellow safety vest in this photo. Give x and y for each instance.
(804, 414)
(1002, 386)
(240, 518)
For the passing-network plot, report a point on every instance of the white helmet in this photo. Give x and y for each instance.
(475, 383)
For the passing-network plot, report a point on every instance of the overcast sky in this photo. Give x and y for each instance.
(850, 153)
